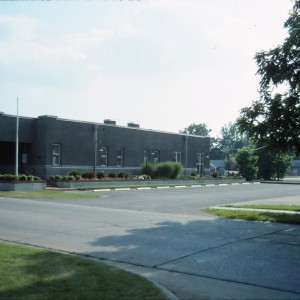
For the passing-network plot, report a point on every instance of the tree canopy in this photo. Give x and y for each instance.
(229, 141)
(196, 129)
(274, 119)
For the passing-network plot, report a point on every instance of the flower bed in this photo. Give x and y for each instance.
(22, 182)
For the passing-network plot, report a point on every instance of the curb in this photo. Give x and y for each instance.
(172, 187)
(276, 211)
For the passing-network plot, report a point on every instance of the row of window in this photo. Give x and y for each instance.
(149, 156)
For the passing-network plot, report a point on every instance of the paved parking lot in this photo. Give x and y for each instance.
(164, 236)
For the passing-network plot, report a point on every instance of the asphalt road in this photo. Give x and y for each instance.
(164, 236)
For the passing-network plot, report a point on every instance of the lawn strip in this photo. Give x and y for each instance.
(256, 215)
(266, 206)
(30, 273)
(46, 194)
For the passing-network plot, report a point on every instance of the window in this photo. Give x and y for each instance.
(120, 157)
(103, 156)
(200, 158)
(146, 156)
(56, 154)
(156, 156)
(177, 156)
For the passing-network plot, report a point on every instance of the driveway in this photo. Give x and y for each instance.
(164, 236)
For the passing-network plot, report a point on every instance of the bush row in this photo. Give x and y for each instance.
(90, 175)
(169, 170)
(21, 177)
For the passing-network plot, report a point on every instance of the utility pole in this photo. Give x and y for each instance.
(17, 140)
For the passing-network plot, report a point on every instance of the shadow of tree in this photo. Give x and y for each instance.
(233, 250)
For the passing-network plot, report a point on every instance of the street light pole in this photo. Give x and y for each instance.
(186, 155)
(17, 140)
(95, 146)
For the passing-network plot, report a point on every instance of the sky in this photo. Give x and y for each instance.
(163, 64)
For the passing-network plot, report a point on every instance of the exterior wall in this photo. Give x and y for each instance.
(8, 140)
(81, 144)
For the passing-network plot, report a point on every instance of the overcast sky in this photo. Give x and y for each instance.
(162, 64)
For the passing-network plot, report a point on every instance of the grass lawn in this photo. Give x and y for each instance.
(259, 215)
(46, 194)
(28, 273)
(265, 206)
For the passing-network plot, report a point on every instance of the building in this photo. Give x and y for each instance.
(51, 146)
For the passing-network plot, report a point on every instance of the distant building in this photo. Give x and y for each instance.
(217, 166)
(50, 146)
(294, 169)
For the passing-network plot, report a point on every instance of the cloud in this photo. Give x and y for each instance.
(20, 41)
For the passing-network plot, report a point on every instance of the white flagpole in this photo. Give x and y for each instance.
(17, 140)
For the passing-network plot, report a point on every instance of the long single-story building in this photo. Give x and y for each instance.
(51, 146)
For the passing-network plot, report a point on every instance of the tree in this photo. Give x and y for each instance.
(196, 129)
(229, 142)
(247, 163)
(274, 119)
(232, 139)
(272, 165)
(281, 164)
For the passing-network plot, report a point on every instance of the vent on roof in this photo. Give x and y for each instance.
(109, 122)
(134, 125)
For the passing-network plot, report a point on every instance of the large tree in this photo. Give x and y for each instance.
(231, 139)
(274, 119)
(272, 165)
(196, 129)
(228, 143)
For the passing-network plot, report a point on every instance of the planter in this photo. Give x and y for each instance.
(113, 183)
(22, 185)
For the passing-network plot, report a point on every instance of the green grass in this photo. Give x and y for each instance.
(27, 273)
(272, 207)
(45, 194)
(256, 215)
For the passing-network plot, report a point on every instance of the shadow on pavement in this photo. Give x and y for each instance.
(252, 253)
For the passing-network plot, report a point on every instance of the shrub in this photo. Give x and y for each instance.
(126, 175)
(22, 177)
(57, 177)
(9, 177)
(148, 169)
(120, 175)
(74, 173)
(169, 169)
(88, 175)
(30, 178)
(112, 175)
(194, 174)
(214, 175)
(100, 175)
(77, 177)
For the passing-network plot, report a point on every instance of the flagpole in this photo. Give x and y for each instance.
(17, 140)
